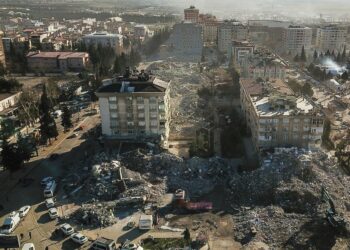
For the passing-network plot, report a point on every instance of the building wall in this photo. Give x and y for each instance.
(191, 15)
(301, 130)
(133, 115)
(229, 31)
(2, 52)
(110, 40)
(331, 38)
(10, 101)
(295, 38)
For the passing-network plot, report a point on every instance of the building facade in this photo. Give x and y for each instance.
(210, 28)
(331, 37)
(57, 61)
(191, 14)
(241, 51)
(2, 52)
(105, 39)
(295, 38)
(279, 118)
(133, 108)
(229, 31)
(187, 41)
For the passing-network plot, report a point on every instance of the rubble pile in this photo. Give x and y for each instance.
(280, 204)
(187, 110)
(197, 176)
(95, 214)
(290, 184)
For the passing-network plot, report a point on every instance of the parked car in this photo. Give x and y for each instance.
(67, 229)
(46, 180)
(10, 223)
(28, 246)
(53, 213)
(23, 211)
(79, 238)
(50, 189)
(50, 202)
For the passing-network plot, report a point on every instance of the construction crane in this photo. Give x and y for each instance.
(332, 216)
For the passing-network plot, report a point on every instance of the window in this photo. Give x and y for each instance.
(154, 123)
(112, 106)
(112, 98)
(114, 115)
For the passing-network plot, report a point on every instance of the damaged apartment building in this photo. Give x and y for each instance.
(277, 117)
(134, 107)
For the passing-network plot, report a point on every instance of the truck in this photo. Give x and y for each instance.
(10, 223)
(180, 201)
(146, 222)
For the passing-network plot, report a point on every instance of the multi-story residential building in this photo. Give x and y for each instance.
(263, 64)
(105, 39)
(240, 52)
(187, 41)
(191, 14)
(35, 40)
(134, 107)
(229, 31)
(8, 101)
(210, 28)
(295, 38)
(279, 118)
(140, 31)
(331, 37)
(57, 61)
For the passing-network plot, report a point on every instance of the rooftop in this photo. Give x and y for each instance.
(61, 55)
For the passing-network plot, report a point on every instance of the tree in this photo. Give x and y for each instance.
(12, 159)
(328, 53)
(315, 55)
(345, 76)
(187, 236)
(24, 148)
(338, 58)
(28, 107)
(303, 55)
(66, 118)
(296, 58)
(2, 69)
(343, 156)
(53, 92)
(48, 127)
(117, 65)
(343, 56)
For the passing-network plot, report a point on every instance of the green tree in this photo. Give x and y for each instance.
(2, 69)
(315, 55)
(296, 58)
(12, 159)
(117, 65)
(343, 56)
(187, 236)
(66, 118)
(303, 55)
(48, 127)
(23, 147)
(345, 76)
(53, 92)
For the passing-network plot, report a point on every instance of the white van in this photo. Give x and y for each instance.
(28, 246)
(50, 189)
(10, 223)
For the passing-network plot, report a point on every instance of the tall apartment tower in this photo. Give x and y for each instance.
(191, 14)
(331, 37)
(297, 37)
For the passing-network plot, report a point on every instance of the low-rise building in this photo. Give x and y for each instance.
(240, 52)
(8, 102)
(134, 107)
(279, 118)
(105, 39)
(57, 61)
(263, 64)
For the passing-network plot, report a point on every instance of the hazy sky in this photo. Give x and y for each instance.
(292, 7)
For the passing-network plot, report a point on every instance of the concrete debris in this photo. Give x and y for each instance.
(280, 204)
(95, 214)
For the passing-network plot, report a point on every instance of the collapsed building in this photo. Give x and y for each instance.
(277, 117)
